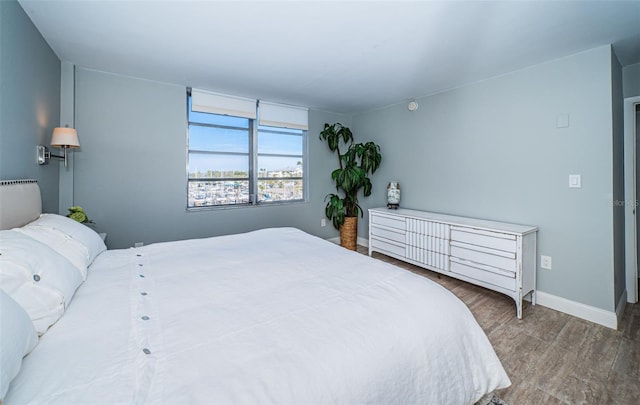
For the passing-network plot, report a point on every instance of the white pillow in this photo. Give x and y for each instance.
(17, 338)
(77, 231)
(36, 277)
(65, 245)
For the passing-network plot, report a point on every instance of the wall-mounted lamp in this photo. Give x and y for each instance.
(64, 138)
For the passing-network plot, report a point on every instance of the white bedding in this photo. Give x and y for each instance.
(272, 316)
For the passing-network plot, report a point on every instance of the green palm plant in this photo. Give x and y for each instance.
(358, 162)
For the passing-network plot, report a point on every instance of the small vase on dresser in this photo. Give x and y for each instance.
(393, 195)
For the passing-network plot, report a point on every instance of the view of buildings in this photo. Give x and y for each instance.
(233, 187)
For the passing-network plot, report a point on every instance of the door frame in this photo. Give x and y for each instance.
(631, 202)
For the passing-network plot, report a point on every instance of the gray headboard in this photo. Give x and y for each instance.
(20, 202)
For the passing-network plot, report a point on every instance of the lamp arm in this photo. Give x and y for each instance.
(44, 155)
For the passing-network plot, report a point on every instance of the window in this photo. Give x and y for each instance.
(240, 160)
(280, 168)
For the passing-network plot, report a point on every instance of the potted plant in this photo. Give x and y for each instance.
(77, 214)
(358, 162)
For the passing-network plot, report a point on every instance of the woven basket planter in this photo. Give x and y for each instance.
(349, 233)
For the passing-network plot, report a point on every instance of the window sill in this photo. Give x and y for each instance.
(246, 206)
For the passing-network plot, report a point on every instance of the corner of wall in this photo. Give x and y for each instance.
(622, 304)
(631, 80)
(67, 117)
(618, 211)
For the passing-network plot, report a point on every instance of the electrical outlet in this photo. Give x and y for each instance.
(138, 244)
(575, 181)
(545, 262)
(323, 222)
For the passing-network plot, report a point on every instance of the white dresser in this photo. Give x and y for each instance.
(496, 255)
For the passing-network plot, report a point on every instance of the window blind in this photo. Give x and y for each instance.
(283, 116)
(216, 103)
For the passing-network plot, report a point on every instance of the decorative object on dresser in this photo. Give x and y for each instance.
(355, 165)
(393, 195)
(495, 255)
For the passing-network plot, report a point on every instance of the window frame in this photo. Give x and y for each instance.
(253, 154)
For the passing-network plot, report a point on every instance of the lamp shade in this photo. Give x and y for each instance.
(64, 138)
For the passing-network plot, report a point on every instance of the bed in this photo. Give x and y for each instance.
(272, 316)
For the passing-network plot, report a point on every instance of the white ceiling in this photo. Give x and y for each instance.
(336, 56)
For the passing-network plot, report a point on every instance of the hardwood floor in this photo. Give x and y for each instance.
(552, 357)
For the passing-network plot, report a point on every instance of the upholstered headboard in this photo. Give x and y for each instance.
(20, 202)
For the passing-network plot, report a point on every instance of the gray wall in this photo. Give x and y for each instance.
(617, 126)
(130, 174)
(631, 80)
(492, 150)
(489, 150)
(29, 101)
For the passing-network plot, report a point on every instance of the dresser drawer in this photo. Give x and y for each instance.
(392, 222)
(490, 257)
(388, 233)
(493, 240)
(384, 246)
(468, 270)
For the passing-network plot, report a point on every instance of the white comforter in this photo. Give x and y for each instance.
(272, 316)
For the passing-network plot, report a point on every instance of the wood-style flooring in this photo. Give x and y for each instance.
(552, 357)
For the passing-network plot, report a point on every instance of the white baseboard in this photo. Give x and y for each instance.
(361, 241)
(577, 309)
(335, 240)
